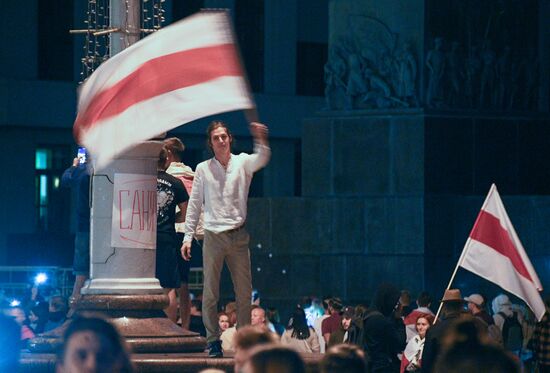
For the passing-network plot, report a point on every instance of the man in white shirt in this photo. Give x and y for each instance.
(220, 189)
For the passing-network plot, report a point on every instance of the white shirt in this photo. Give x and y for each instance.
(223, 193)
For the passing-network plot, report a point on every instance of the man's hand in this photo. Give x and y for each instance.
(260, 132)
(186, 250)
(75, 162)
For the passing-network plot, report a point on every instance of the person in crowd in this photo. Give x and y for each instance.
(423, 303)
(384, 331)
(317, 324)
(333, 322)
(196, 320)
(77, 177)
(541, 340)
(342, 334)
(228, 331)
(220, 189)
(452, 311)
(18, 314)
(247, 338)
(257, 317)
(92, 344)
(57, 312)
(405, 302)
(344, 358)
(510, 323)
(174, 158)
(274, 359)
(9, 337)
(273, 317)
(465, 350)
(411, 361)
(170, 194)
(298, 335)
(38, 317)
(476, 305)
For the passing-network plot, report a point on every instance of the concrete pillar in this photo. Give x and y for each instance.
(280, 47)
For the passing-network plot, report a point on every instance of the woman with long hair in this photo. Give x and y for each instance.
(411, 359)
(298, 335)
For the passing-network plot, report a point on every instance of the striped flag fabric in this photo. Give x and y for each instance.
(188, 70)
(494, 252)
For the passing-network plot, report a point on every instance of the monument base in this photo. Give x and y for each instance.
(139, 319)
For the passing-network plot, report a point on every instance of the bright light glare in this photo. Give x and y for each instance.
(40, 278)
(15, 303)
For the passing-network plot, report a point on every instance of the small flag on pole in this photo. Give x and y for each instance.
(186, 71)
(494, 252)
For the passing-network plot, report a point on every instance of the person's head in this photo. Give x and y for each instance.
(325, 303)
(475, 303)
(347, 317)
(274, 359)
(223, 321)
(405, 298)
(502, 303)
(335, 305)
(272, 315)
(344, 358)
(174, 149)
(219, 137)
(162, 163)
(93, 344)
(257, 316)
(196, 307)
(246, 339)
(464, 350)
(452, 302)
(18, 314)
(423, 322)
(9, 343)
(298, 324)
(58, 304)
(424, 299)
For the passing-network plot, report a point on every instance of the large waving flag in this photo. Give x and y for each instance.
(183, 72)
(494, 252)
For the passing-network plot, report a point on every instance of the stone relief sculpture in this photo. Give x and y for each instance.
(378, 74)
(487, 96)
(435, 62)
(456, 75)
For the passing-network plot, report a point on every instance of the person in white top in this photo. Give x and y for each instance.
(220, 189)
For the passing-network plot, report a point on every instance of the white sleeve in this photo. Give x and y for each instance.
(194, 207)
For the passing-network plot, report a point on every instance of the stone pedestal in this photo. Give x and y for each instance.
(138, 318)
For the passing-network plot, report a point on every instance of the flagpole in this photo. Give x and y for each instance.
(493, 187)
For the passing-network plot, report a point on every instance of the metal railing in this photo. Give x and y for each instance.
(16, 280)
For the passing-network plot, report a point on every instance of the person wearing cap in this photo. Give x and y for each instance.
(332, 323)
(342, 334)
(476, 305)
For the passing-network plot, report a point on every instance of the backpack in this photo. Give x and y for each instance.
(512, 332)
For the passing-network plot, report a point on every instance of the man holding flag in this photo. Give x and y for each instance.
(220, 188)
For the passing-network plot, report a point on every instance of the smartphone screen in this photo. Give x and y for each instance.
(81, 155)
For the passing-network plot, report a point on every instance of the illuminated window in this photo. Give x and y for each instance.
(52, 202)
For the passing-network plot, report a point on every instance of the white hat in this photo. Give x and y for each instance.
(475, 299)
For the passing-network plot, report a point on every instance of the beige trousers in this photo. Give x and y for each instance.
(231, 247)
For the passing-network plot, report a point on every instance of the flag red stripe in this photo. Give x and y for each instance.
(158, 76)
(488, 231)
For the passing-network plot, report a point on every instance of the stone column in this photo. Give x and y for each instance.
(120, 270)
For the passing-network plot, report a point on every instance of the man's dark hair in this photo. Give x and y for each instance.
(344, 358)
(215, 124)
(161, 164)
(336, 304)
(174, 146)
(452, 307)
(424, 299)
(197, 304)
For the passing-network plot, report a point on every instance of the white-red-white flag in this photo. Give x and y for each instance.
(494, 252)
(188, 70)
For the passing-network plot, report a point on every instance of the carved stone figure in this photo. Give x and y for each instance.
(356, 85)
(335, 70)
(435, 61)
(406, 89)
(455, 69)
(473, 69)
(487, 88)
